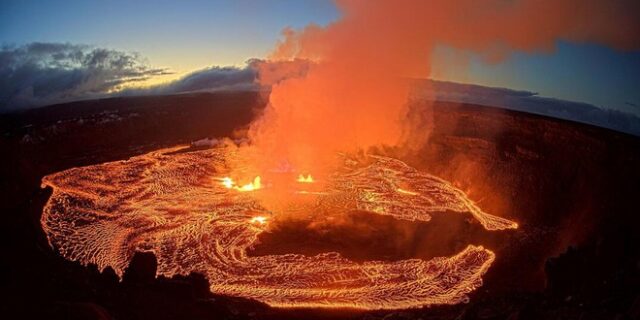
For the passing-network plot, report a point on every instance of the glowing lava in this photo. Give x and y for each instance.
(259, 220)
(303, 179)
(407, 192)
(164, 202)
(251, 186)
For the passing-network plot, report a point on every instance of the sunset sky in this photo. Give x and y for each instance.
(185, 36)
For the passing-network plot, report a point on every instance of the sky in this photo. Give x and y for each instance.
(185, 36)
(181, 35)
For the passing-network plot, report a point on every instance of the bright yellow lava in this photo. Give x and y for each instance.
(252, 186)
(303, 179)
(259, 220)
(411, 193)
(163, 202)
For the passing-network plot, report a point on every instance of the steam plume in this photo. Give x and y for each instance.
(355, 93)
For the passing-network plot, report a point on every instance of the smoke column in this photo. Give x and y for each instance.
(354, 92)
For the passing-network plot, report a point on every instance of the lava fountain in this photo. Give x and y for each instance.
(183, 207)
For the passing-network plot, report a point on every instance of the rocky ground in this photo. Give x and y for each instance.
(571, 187)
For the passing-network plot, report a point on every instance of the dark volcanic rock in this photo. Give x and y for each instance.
(573, 189)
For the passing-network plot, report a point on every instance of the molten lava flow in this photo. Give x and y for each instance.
(303, 179)
(164, 202)
(259, 220)
(403, 191)
(252, 186)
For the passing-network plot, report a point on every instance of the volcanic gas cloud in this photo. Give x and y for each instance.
(354, 93)
(201, 211)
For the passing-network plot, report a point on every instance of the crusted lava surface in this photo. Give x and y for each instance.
(175, 204)
(572, 188)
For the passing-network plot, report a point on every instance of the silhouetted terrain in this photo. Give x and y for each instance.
(573, 189)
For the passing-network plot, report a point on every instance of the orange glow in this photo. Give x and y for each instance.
(228, 182)
(259, 220)
(319, 193)
(303, 179)
(354, 93)
(157, 204)
(251, 186)
(411, 193)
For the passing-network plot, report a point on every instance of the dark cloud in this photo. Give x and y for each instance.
(215, 77)
(208, 79)
(230, 78)
(43, 73)
(38, 74)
